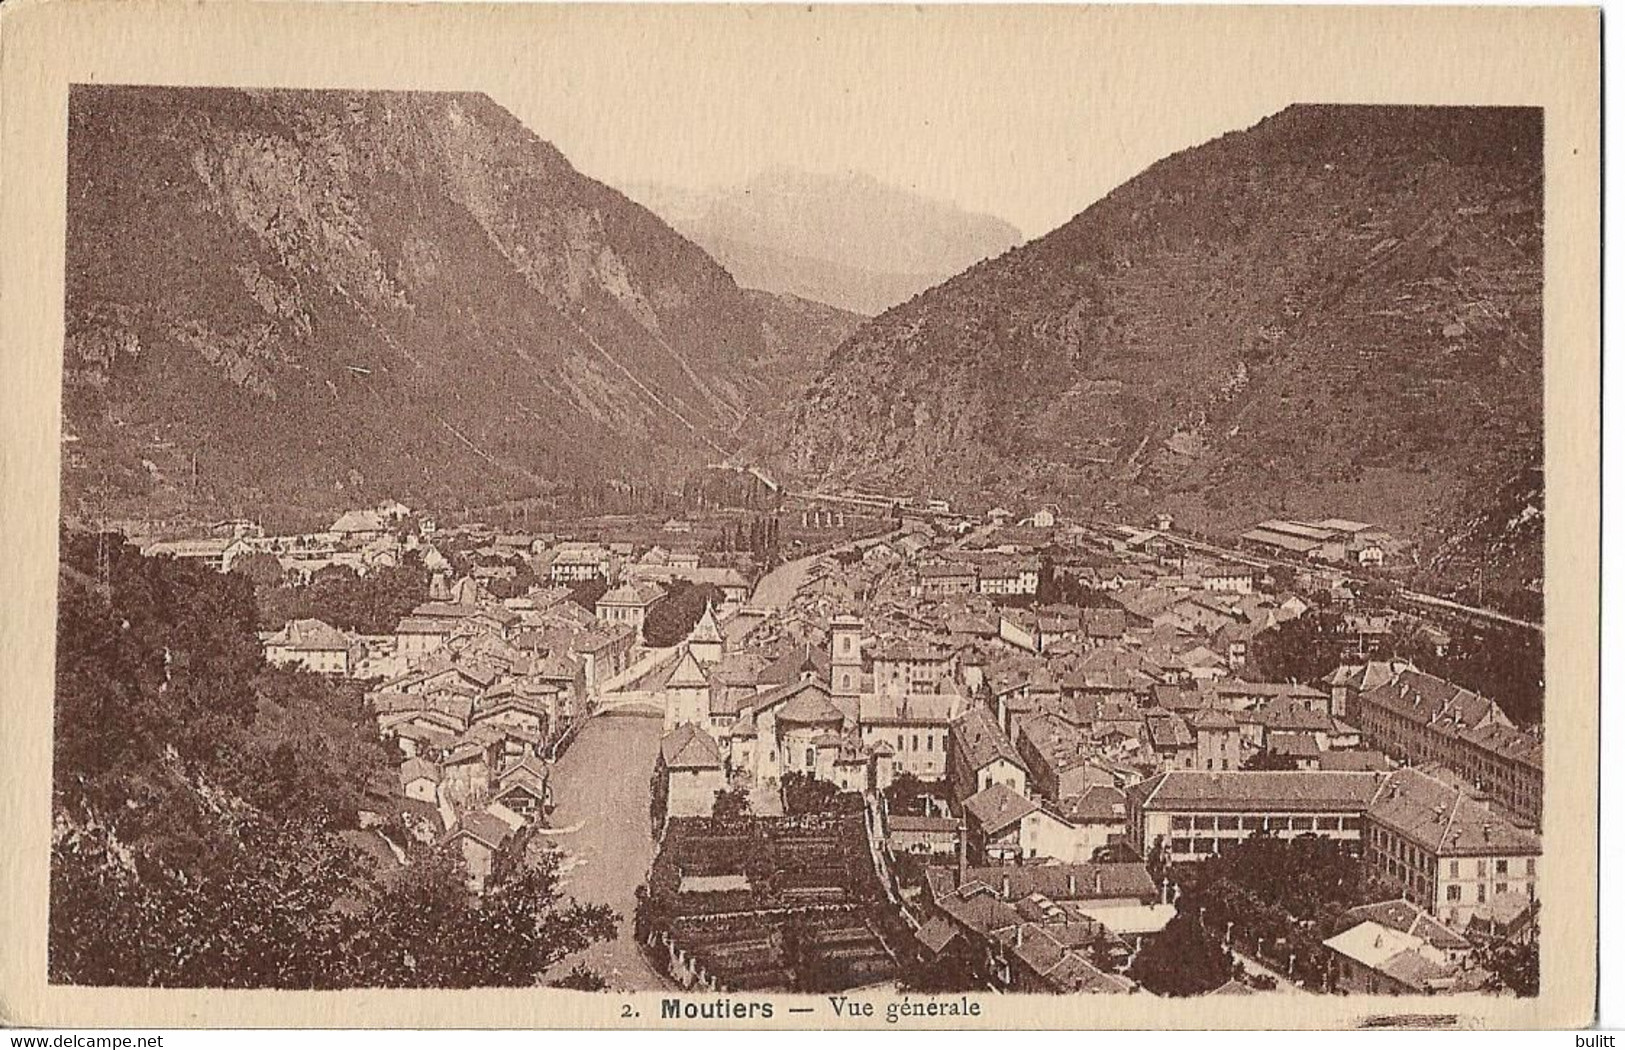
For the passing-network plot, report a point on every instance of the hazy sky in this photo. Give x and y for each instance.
(1030, 120)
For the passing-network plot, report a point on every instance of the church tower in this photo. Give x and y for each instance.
(846, 656)
(706, 641)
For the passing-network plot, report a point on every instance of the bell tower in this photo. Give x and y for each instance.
(846, 656)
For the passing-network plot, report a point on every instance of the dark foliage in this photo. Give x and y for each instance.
(731, 803)
(673, 616)
(206, 806)
(805, 794)
(370, 604)
(1186, 958)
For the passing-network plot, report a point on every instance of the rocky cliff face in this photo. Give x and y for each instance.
(297, 296)
(847, 240)
(1335, 312)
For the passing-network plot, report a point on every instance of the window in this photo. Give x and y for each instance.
(916, 741)
(1229, 823)
(846, 643)
(1500, 887)
(1483, 869)
(1481, 893)
(812, 758)
(1452, 893)
(1182, 823)
(1530, 866)
(1180, 846)
(1455, 869)
(1501, 867)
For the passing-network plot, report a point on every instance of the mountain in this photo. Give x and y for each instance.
(1336, 312)
(291, 298)
(847, 240)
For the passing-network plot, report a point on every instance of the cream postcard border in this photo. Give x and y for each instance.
(1547, 57)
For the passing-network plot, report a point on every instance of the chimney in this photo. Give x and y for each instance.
(1072, 884)
(963, 849)
(1098, 882)
(1004, 886)
(1018, 936)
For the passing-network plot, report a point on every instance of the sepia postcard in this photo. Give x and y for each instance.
(543, 516)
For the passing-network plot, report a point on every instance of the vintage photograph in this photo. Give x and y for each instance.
(674, 536)
(475, 572)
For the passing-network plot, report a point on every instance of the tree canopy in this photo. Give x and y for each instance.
(206, 810)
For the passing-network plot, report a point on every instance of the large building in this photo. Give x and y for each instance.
(1419, 719)
(1193, 814)
(1451, 854)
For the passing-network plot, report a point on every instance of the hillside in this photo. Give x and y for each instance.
(307, 297)
(1334, 312)
(847, 240)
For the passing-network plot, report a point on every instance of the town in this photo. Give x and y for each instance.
(901, 746)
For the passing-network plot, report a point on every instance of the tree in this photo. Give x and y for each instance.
(1262, 760)
(1301, 650)
(586, 593)
(581, 979)
(205, 812)
(1184, 959)
(805, 794)
(1516, 968)
(672, 617)
(907, 792)
(731, 804)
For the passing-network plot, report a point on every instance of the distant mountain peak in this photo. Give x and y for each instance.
(845, 238)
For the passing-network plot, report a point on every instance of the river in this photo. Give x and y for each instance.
(602, 783)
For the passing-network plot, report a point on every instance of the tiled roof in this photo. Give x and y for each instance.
(689, 747)
(1248, 790)
(982, 741)
(997, 807)
(1445, 820)
(686, 673)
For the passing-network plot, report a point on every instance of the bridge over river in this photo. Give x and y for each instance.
(601, 796)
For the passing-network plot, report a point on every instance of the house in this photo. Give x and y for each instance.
(420, 780)
(905, 666)
(1008, 576)
(355, 527)
(576, 563)
(1063, 760)
(482, 838)
(1218, 740)
(211, 553)
(908, 833)
(690, 770)
(1453, 854)
(980, 755)
(313, 646)
(914, 726)
(994, 824)
(628, 604)
(1046, 516)
(946, 580)
(1375, 958)
(522, 787)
